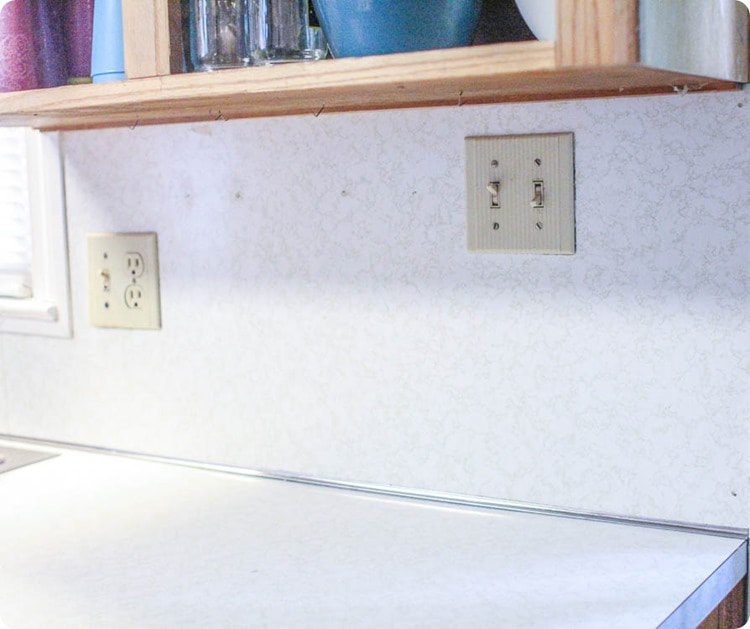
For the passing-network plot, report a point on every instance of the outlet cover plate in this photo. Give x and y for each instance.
(510, 172)
(124, 281)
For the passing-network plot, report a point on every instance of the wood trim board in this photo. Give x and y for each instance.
(599, 52)
(510, 72)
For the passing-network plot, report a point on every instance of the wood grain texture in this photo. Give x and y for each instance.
(732, 609)
(711, 621)
(597, 32)
(730, 613)
(510, 72)
(145, 25)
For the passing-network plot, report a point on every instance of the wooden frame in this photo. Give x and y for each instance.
(146, 38)
(597, 32)
(599, 52)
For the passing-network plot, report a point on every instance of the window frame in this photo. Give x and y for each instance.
(47, 312)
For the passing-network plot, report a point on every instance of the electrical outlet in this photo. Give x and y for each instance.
(124, 281)
(134, 297)
(134, 263)
(520, 193)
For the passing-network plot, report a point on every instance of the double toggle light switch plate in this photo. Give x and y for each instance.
(521, 193)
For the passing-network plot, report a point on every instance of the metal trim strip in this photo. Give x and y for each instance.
(400, 492)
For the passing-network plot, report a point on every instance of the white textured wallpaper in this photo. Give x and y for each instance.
(322, 315)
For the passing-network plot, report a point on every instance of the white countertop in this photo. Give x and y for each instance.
(90, 540)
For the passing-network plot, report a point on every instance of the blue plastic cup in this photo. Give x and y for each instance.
(107, 53)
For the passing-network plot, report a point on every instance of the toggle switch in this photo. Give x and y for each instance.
(106, 278)
(537, 201)
(494, 189)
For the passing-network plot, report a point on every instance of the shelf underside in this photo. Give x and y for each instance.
(523, 71)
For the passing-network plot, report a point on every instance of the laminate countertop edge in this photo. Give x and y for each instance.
(711, 592)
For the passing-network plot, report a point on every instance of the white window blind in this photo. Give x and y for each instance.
(34, 285)
(15, 223)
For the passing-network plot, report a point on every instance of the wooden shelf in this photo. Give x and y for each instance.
(483, 74)
(611, 64)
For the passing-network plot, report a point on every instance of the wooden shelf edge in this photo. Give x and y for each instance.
(510, 72)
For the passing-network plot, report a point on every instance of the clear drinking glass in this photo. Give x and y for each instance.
(219, 34)
(280, 31)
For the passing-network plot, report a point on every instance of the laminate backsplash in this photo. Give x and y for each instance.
(321, 313)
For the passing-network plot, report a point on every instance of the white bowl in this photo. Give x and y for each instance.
(541, 17)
